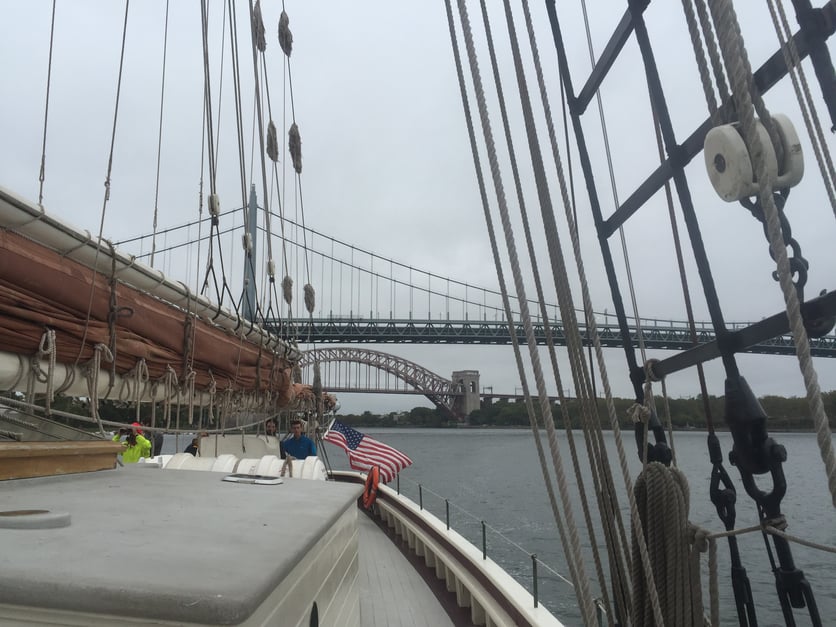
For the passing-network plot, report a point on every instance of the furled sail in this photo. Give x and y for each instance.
(154, 334)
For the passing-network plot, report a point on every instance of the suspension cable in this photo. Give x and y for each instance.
(614, 189)
(42, 174)
(805, 100)
(160, 136)
(107, 180)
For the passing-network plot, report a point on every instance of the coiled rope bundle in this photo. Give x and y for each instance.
(663, 498)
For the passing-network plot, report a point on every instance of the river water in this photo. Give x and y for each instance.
(494, 475)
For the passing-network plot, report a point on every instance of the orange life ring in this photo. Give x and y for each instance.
(370, 491)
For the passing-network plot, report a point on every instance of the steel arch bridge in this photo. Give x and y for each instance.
(442, 392)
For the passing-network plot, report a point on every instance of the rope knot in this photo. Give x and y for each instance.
(648, 370)
(37, 371)
(47, 344)
(699, 538)
(778, 522)
(638, 413)
(102, 352)
(287, 466)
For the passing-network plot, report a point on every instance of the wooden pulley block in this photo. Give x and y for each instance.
(730, 166)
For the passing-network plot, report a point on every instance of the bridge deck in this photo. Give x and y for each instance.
(656, 334)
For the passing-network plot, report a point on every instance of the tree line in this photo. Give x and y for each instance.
(783, 414)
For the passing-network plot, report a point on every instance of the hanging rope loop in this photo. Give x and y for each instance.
(46, 352)
(92, 370)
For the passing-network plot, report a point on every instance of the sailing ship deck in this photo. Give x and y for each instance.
(392, 593)
(186, 547)
(178, 547)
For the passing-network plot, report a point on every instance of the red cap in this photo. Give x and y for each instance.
(137, 425)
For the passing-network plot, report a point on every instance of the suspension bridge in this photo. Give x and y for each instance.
(390, 294)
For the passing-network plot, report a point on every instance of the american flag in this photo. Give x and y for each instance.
(365, 452)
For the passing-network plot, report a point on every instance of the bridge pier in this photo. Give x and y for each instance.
(467, 381)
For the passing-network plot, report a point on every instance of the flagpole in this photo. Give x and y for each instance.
(321, 449)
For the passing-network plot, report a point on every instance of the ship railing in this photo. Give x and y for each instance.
(526, 567)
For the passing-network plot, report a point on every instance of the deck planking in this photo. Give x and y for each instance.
(392, 593)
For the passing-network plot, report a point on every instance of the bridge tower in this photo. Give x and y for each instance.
(468, 382)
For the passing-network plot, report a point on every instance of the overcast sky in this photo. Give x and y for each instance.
(387, 164)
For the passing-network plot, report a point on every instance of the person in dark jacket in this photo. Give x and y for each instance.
(156, 441)
(193, 447)
(298, 445)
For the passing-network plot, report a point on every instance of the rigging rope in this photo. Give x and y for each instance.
(694, 30)
(46, 350)
(42, 174)
(500, 276)
(160, 136)
(614, 189)
(663, 498)
(580, 361)
(207, 97)
(92, 371)
(603, 496)
(805, 100)
(107, 181)
(259, 44)
(582, 584)
(731, 43)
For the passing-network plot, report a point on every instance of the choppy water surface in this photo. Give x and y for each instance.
(494, 475)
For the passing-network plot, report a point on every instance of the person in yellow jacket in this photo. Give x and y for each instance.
(135, 444)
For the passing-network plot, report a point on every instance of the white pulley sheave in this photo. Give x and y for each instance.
(729, 163)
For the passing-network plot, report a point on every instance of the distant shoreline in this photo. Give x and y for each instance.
(723, 429)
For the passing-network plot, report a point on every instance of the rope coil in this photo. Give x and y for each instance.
(662, 495)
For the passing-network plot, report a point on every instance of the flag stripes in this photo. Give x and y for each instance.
(364, 452)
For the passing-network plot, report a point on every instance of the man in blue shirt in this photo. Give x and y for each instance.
(299, 446)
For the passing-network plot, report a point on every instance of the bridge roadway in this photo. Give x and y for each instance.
(658, 334)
